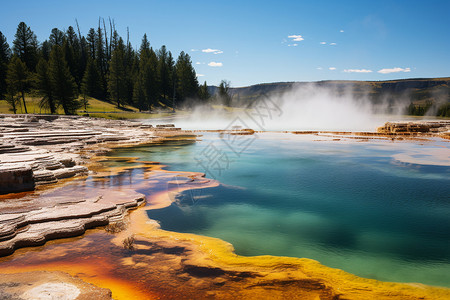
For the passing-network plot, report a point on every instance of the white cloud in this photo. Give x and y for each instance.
(296, 38)
(323, 43)
(341, 30)
(394, 70)
(333, 44)
(292, 45)
(331, 68)
(199, 63)
(357, 71)
(200, 75)
(215, 51)
(193, 50)
(209, 50)
(319, 68)
(215, 64)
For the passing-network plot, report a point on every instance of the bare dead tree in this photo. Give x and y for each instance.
(79, 33)
(128, 38)
(110, 35)
(108, 48)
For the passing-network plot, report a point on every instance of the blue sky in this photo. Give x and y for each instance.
(268, 41)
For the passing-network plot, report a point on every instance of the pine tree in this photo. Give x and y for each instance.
(71, 36)
(62, 82)
(172, 75)
(18, 79)
(69, 57)
(146, 80)
(138, 85)
(146, 86)
(187, 83)
(92, 43)
(148, 72)
(145, 46)
(156, 85)
(57, 37)
(82, 59)
(116, 78)
(163, 72)
(101, 59)
(203, 92)
(138, 94)
(114, 41)
(45, 50)
(74, 58)
(44, 86)
(13, 101)
(91, 84)
(5, 55)
(130, 71)
(224, 93)
(26, 46)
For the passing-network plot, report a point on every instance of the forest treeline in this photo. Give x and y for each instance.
(67, 68)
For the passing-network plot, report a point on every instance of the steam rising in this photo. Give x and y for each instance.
(306, 107)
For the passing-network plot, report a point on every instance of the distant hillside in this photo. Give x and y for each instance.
(419, 94)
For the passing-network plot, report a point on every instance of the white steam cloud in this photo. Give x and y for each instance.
(306, 107)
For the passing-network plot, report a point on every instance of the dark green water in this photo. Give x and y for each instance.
(349, 205)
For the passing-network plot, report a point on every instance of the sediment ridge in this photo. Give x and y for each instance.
(437, 128)
(60, 217)
(37, 150)
(42, 149)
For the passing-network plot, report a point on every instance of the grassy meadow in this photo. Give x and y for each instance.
(96, 109)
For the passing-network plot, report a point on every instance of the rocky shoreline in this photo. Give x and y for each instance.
(42, 149)
(38, 150)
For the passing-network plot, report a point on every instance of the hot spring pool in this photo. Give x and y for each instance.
(356, 206)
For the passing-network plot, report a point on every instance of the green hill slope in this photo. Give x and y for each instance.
(418, 95)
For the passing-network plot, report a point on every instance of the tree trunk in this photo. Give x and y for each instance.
(65, 108)
(52, 106)
(14, 105)
(24, 104)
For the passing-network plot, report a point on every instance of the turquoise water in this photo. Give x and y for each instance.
(349, 205)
